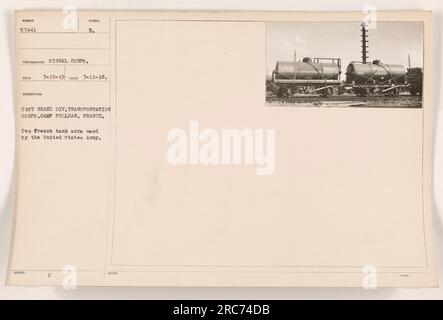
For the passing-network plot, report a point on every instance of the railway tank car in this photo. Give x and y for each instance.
(320, 75)
(375, 77)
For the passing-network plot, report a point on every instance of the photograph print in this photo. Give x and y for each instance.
(344, 64)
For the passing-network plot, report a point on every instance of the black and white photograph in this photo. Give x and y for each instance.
(344, 64)
(221, 159)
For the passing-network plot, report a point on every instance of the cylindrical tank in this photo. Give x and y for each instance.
(367, 73)
(306, 70)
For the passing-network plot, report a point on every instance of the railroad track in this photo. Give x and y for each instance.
(378, 98)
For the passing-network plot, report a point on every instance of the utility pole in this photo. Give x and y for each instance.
(364, 43)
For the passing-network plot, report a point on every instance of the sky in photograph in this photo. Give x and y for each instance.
(390, 42)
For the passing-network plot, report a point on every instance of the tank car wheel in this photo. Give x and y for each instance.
(341, 90)
(282, 92)
(361, 92)
(393, 92)
(326, 92)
